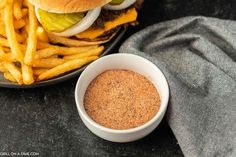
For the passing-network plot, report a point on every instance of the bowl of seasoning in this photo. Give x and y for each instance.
(122, 97)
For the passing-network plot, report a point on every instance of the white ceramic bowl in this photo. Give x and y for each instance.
(129, 62)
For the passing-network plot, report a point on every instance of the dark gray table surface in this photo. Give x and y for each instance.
(46, 121)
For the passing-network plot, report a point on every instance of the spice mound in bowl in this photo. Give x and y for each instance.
(121, 99)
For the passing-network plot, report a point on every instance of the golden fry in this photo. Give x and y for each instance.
(32, 38)
(11, 68)
(18, 24)
(14, 71)
(2, 3)
(11, 35)
(24, 12)
(7, 57)
(24, 33)
(9, 77)
(3, 33)
(47, 63)
(41, 34)
(43, 45)
(27, 51)
(27, 74)
(45, 53)
(54, 56)
(1, 50)
(57, 50)
(66, 67)
(20, 38)
(25, 3)
(21, 3)
(38, 71)
(6, 49)
(73, 42)
(92, 52)
(25, 29)
(2, 68)
(74, 50)
(17, 9)
(4, 42)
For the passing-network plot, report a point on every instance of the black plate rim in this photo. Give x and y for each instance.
(111, 45)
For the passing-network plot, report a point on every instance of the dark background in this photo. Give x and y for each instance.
(45, 120)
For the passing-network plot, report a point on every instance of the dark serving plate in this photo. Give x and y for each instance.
(109, 47)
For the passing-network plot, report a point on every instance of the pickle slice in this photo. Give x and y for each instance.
(116, 2)
(57, 23)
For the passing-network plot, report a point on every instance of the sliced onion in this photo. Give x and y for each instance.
(121, 6)
(84, 24)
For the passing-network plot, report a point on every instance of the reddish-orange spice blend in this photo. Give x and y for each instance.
(121, 99)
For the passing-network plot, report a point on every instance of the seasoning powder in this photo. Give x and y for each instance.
(121, 99)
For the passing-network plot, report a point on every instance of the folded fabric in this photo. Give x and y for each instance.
(198, 57)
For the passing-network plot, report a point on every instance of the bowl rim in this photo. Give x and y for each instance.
(158, 115)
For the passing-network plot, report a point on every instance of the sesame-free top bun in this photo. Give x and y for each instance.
(68, 6)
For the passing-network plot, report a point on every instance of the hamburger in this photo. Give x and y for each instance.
(91, 20)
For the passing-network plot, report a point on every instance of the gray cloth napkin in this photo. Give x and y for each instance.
(197, 55)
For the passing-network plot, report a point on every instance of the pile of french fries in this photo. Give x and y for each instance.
(29, 54)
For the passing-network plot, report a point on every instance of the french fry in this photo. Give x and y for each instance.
(17, 9)
(41, 34)
(2, 3)
(47, 63)
(24, 33)
(11, 35)
(18, 24)
(25, 3)
(73, 42)
(43, 45)
(75, 50)
(3, 33)
(21, 3)
(1, 50)
(7, 57)
(45, 53)
(24, 12)
(38, 71)
(26, 27)
(14, 72)
(20, 38)
(12, 69)
(57, 50)
(6, 49)
(9, 77)
(54, 56)
(4, 42)
(32, 38)
(92, 52)
(27, 74)
(2, 68)
(66, 67)
(28, 53)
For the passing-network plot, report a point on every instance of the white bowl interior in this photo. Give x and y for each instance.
(128, 62)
